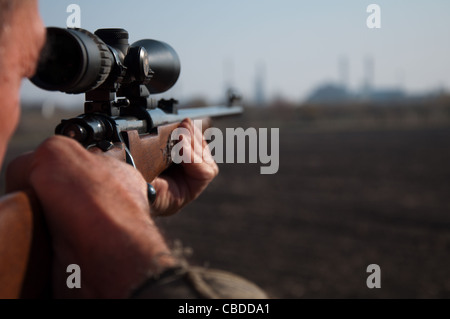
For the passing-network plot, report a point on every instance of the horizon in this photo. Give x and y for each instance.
(296, 45)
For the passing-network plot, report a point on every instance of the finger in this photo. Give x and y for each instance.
(202, 165)
(207, 156)
(172, 192)
(195, 138)
(198, 141)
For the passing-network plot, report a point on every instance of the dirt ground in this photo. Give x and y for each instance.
(356, 186)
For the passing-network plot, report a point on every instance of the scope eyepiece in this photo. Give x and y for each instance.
(72, 61)
(77, 61)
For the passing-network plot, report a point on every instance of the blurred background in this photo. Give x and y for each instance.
(364, 119)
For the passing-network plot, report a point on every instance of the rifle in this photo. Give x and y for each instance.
(119, 117)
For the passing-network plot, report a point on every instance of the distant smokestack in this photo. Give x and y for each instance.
(228, 77)
(343, 70)
(401, 79)
(228, 73)
(368, 74)
(260, 98)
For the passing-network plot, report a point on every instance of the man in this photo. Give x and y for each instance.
(96, 207)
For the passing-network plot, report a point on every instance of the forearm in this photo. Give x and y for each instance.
(115, 254)
(116, 269)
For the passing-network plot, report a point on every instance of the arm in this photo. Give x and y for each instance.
(98, 214)
(95, 207)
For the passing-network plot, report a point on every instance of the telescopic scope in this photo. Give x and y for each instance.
(77, 61)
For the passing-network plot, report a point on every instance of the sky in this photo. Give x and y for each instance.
(296, 44)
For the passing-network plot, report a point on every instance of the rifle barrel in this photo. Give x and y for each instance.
(159, 117)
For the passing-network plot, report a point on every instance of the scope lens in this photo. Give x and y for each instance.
(164, 62)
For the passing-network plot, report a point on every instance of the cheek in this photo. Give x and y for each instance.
(34, 42)
(9, 118)
(11, 112)
(10, 107)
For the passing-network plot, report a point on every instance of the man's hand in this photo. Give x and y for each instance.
(98, 213)
(183, 183)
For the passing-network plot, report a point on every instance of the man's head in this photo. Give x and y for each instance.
(22, 35)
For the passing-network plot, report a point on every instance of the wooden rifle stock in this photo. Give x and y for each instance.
(25, 254)
(25, 242)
